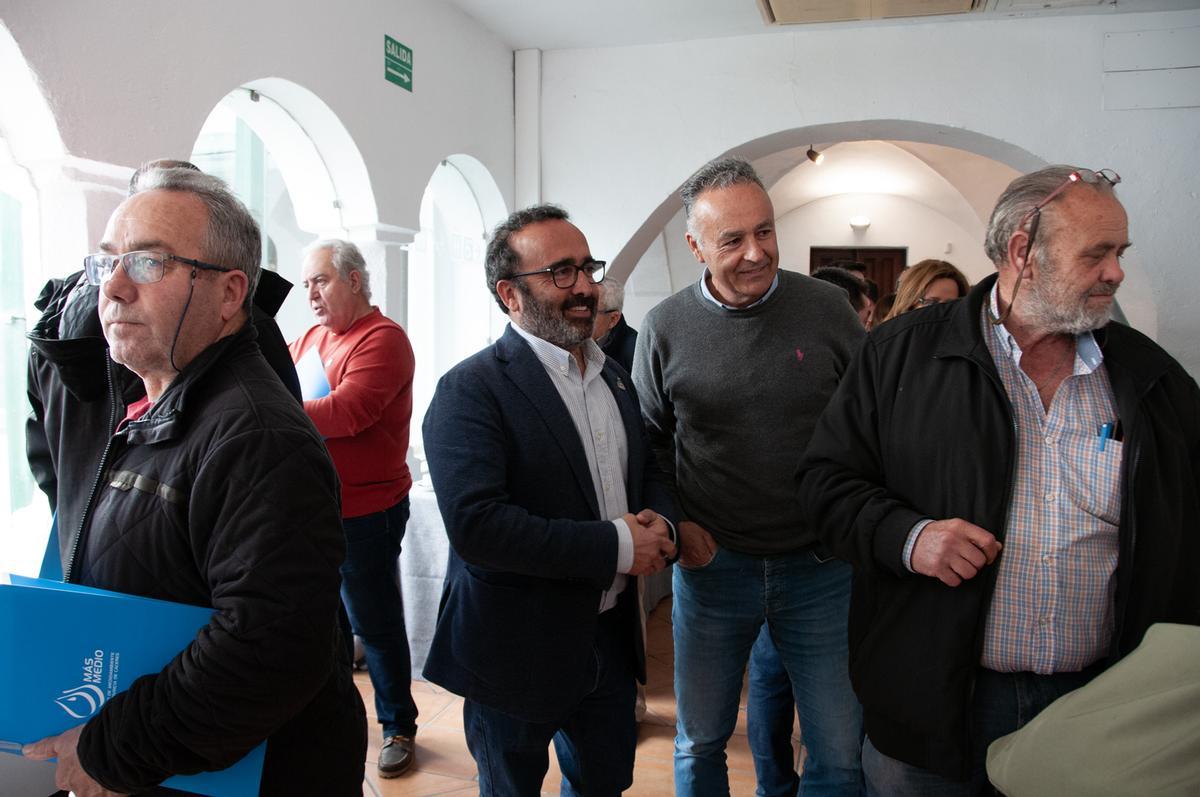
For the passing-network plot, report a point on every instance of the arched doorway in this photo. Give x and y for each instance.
(925, 187)
(294, 165)
(451, 312)
(31, 155)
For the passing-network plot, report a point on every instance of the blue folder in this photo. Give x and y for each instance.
(71, 648)
(314, 384)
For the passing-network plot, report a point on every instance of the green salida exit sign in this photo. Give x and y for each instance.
(397, 63)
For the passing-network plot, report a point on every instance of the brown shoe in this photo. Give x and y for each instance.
(396, 757)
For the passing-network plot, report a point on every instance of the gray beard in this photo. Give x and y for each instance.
(1047, 309)
(547, 322)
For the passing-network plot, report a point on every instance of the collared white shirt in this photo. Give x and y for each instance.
(597, 419)
(708, 294)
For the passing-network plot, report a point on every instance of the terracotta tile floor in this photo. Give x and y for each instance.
(444, 767)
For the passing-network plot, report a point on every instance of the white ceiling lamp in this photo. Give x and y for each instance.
(814, 156)
(859, 223)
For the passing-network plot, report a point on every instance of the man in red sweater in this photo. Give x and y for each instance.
(356, 370)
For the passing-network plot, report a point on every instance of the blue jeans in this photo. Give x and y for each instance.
(371, 592)
(718, 612)
(595, 741)
(770, 716)
(1002, 703)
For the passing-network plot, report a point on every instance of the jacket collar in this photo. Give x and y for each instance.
(1134, 362)
(166, 420)
(528, 375)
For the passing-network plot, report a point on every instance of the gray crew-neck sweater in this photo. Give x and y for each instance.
(731, 397)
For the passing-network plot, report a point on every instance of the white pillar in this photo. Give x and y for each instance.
(384, 248)
(527, 133)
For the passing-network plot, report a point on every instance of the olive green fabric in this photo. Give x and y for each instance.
(1134, 730)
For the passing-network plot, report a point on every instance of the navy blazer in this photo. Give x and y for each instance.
(530, 555)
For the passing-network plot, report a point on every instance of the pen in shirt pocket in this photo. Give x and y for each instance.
(1109, 431)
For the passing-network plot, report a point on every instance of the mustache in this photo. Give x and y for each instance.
(1103, 289)
(580, 301)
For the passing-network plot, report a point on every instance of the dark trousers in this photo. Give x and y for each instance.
(595, 740)
(1002, 704)
(371, 593)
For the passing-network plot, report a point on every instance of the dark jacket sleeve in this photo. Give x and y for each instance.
(265, 524)
(500, 497)
(658, 412)
(843, 473)
(37, 444)
(275, 351)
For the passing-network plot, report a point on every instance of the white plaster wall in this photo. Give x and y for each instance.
(895, 221)
(134, 80)
(622, 128)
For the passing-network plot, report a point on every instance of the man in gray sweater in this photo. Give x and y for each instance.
(733, 372)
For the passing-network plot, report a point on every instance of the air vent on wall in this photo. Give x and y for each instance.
(801, 12)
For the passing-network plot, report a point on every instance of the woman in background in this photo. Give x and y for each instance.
(928, 282)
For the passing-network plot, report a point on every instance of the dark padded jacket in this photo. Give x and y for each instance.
(223, 495)
(77, 395)
(920, 427)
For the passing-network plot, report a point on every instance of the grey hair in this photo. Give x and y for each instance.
(501, 262)
(231, 238)
(612, 294)
(346, 257)
(161, 163)
(716, 174)
(1021, 196)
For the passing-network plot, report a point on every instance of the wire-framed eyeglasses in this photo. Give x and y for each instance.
(141, 267)
(1034, 217)
(564, 275)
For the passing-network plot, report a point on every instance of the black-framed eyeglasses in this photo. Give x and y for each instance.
(141, 267)
(564, 276)
(1034, 217)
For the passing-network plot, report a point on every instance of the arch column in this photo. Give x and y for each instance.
(385, 248)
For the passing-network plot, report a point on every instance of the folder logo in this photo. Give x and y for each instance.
(82, 701)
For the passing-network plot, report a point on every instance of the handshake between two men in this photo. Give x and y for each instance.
(653, 542)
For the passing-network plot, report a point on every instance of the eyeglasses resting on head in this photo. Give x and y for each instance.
(1034, 216)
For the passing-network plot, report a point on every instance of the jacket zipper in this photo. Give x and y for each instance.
(112, 422)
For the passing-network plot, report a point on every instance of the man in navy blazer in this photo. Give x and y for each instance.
(538, 455)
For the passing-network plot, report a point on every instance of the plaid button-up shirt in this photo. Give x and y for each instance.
(1052, 610)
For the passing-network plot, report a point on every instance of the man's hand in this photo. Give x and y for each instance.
(69, 774)
(652, 545)
(698, 546)
(952, 550)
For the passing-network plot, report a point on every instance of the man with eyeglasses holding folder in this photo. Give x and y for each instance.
(214, 490)
(1015, 479)
(539, 462)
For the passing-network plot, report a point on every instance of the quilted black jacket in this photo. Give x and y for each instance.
(77, 394)
(223, 495)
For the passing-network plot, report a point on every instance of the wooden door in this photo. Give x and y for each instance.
(883, 264)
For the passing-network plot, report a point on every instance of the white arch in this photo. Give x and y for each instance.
(492, 209)
(1138, 304)
(25, 117)
(325, 173)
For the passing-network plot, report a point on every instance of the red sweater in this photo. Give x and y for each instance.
(365, 417)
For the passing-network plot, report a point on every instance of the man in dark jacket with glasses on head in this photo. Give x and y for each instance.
(1015, 479)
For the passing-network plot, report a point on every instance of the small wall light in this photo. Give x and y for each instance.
(859, 223)
(814, 156)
